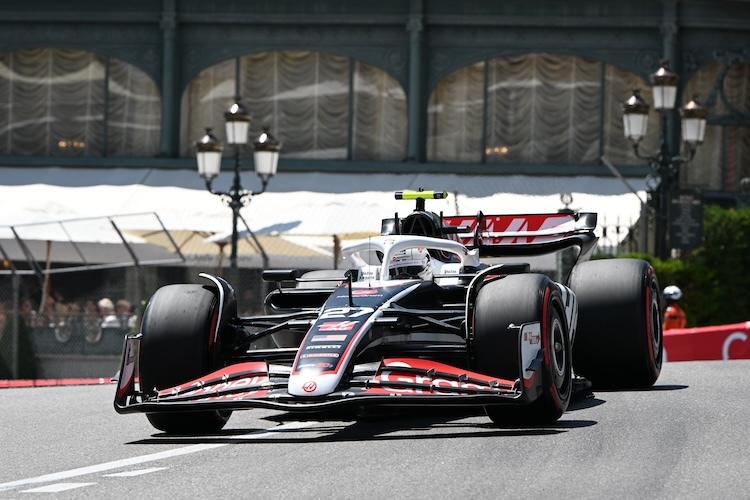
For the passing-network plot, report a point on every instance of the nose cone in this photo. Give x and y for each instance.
(312, 383)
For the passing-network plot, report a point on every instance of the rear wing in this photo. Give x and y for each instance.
(496, 234)
(522, 229)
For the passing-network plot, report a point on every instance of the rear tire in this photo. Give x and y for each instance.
(177, 347)
(517, 299)
(618, 343)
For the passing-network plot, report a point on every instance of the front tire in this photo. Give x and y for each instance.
(514, 300)
(619, 343)
(177, 347)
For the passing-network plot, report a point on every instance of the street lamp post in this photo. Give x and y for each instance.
(209, 154)
(665, 164)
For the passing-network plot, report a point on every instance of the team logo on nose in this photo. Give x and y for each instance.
(309, 386)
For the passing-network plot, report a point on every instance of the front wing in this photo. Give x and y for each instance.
(390, 382)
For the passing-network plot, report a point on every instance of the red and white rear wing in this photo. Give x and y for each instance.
(520, 229)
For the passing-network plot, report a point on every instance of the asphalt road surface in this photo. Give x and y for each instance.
(688, 437)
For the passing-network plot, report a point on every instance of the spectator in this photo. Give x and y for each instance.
(54, 317)
(48, 316)
(674, 316)
(62, 308)
(107, 312)
(28, 313)
(125, 314)
(92, 327)
(69, 319)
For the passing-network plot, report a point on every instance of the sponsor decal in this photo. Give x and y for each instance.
(367, 276)
(431, 385)
(425, 383)
(736, 336)
(318, 366)
(363, 292)
(330, 337)
(532, 337)
(213, 392)
(309, 386)
(321, 355)
(552, 227)
(337, 326)
(324, 346)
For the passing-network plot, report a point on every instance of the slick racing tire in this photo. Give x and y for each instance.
(618, 342)
(514, 300)
(177, 347)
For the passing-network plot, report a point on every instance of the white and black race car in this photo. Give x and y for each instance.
(504, 312)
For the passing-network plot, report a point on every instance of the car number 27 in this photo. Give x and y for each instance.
(346, 312)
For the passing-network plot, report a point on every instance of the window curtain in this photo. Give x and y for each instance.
(303, 97)
(727, 145)
(543, 109)
(540, 108)
(52, 103)
(379, 122)
(455, 114)
(320, 106)
(134, 112)
(204, 102)
(619, 86)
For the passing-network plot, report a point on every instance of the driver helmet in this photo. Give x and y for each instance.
(411, 263)
(672, 292)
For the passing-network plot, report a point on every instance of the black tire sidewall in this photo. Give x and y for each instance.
(518, 299)
(619, 341)
(176, 345)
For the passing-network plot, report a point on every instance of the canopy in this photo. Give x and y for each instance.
(300, 216)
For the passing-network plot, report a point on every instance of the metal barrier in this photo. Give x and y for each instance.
(54, 274)
(71, 290)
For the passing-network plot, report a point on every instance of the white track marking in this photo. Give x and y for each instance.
(138, 472)
(57, 488)
(128, 462)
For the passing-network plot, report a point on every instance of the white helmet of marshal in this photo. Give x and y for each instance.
(672, 292)
(411, 263)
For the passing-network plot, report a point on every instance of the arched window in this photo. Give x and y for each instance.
(62, 102)
(532, 108)
(321, 106)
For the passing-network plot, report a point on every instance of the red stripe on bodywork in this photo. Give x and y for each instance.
(231, 376)
(432, 375)
(17, 383)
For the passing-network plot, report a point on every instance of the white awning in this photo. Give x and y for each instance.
(297, 207)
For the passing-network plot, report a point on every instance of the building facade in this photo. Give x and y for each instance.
(484, 88)
(471, 87)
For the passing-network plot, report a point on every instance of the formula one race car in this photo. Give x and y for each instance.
(504, 312)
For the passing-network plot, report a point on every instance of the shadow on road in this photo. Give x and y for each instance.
(383, 425)
(656, 388)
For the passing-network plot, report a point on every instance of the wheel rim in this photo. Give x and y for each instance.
(559, 354)
(655, 327)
